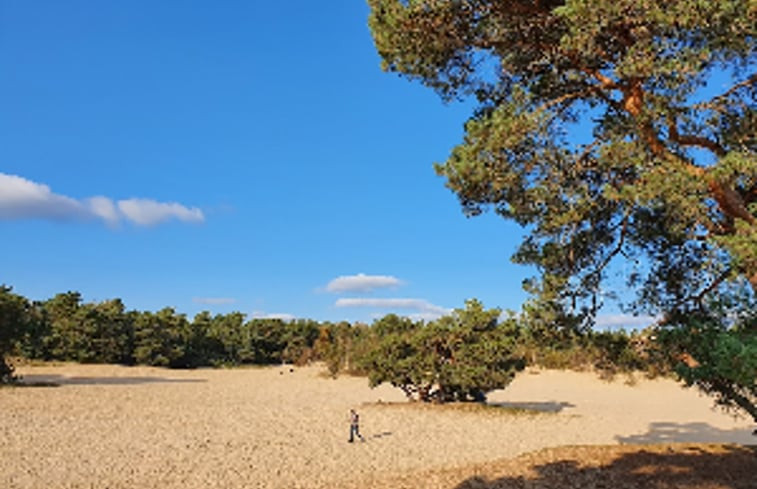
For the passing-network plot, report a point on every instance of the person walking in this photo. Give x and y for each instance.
(355, 426)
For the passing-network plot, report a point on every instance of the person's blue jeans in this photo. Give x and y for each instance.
(355, 431)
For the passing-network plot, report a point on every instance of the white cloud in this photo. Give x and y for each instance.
(104, 208)
(616, 321)
(146, 212)
(214, 301)
(24, 199)
(423, 308)
(362, 283)
(426, 316)
(273, 315)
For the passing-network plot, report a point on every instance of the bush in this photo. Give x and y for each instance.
(14, 318)
(716, 351)
(460, 357)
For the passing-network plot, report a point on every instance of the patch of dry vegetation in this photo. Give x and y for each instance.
(669, 466)
(463, 407)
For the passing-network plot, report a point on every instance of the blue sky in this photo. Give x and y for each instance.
(246, 156)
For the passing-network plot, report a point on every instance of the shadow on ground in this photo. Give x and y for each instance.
(661, 467)
(57, 380)
(690, 433)
(545, 407)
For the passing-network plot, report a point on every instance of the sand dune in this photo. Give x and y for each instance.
(125, 427)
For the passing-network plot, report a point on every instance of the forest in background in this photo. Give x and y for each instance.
(474, 343)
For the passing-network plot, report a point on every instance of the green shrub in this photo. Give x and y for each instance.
(459, 357)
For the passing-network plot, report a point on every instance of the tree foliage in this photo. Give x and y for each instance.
(597, 129)
(66, 328)
(160, 338)
(459, 357)
(341, 345)
(14, 318)
(88, 333)
(717, 353)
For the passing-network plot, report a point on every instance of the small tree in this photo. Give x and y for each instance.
(397, 357)
(267, 340)
(459, 357)
(229, 332)
(66, 340)
(160, 338)
(715, 349)
(108, 333)
(14, 315)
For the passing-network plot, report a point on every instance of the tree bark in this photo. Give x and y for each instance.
(726, 388)
(730, 202)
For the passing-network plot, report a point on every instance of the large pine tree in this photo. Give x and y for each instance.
(615, 131)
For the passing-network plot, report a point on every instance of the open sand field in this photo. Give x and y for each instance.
(139, 427)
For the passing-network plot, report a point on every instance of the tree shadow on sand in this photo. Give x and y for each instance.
(624, 467)
(690, 433)
(544, 407)
(58, 380)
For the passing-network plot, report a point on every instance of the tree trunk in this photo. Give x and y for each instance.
(727, 390)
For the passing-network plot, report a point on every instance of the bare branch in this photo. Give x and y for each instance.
(605, 81)
(730, 201)
(715, 283)
(749, 81)
(562, 98)
(699, 141)
(588, 149)
(714, 103)
(618, 248)
(588, 90)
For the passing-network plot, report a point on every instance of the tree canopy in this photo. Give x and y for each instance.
(14, 318)
(614, 131)
(459, 357)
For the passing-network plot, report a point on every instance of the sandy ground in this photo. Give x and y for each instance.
(126, 427)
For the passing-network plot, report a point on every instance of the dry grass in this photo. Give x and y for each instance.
(461, 407)
(667, 466)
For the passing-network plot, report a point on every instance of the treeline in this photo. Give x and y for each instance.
(470, 343)
(64, 328)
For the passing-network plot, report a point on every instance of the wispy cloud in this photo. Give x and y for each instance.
(214, 301)
(24, 199)
(614, 321)
(146, 212)
(273, 315)
(423, 308)
(426, 316)
(362, 283)
(105, 209)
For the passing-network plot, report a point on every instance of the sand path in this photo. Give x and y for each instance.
(125, 427)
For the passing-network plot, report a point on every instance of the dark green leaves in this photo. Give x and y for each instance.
(664, 174)
(459, 357)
